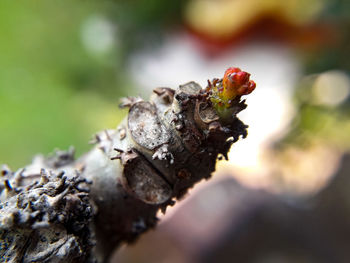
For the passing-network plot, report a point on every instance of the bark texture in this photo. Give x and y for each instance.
(59, 209)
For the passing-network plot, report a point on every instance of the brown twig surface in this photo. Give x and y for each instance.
(59, 209)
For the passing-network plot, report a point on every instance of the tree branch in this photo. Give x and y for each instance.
(60, 209)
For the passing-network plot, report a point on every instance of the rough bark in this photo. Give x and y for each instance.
(59, 209)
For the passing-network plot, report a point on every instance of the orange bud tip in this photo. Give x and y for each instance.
(236, 83)
(225, 92)
(252, 86)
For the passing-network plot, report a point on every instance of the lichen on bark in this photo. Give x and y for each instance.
(61, 209)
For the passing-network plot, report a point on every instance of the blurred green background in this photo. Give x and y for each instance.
(62, 70)
(51, 86)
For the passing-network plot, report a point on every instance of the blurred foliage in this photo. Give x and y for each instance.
(60, 77)
(326, 121)
(144, 22)
(334, 54)
(53, 92)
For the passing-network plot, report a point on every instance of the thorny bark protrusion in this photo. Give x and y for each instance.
(56, 209)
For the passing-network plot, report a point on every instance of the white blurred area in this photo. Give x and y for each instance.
(274, 68)
(331, 88)
(98, 35)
